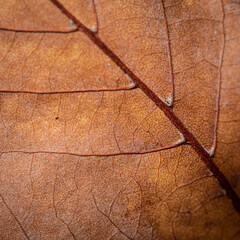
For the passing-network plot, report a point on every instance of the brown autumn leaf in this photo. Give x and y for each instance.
(85, 153)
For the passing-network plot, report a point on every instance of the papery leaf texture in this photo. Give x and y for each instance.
(119, 119)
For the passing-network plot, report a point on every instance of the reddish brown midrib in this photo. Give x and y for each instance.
(168, 111)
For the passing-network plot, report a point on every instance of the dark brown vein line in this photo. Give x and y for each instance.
(55, 210)
(169, 53)
(38, 31)
(95, 154)
(16, 219)
(71, 91)
(109, 219)
(206, 158)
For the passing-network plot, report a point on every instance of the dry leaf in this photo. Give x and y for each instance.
(110, 112)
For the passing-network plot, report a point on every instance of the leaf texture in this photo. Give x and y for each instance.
(85, 152)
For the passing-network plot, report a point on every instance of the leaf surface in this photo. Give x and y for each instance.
(85, 154)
